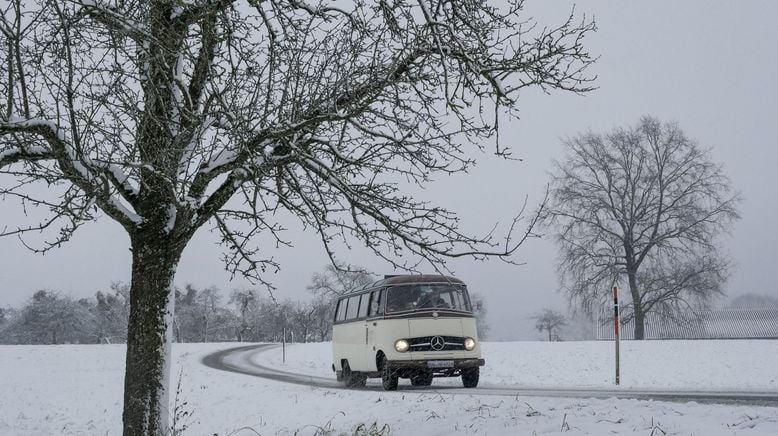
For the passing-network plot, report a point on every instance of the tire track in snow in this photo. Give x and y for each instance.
(238, 360)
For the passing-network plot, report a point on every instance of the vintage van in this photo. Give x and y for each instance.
(409, 326)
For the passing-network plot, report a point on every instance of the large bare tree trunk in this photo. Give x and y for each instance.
(640, 321)
(637, 307)
(149, 337)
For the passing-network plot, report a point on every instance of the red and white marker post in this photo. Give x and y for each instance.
(616, 327)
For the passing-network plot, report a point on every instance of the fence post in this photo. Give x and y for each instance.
(283, 347)
(616, 327)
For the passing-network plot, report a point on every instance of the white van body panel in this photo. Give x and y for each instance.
(360, 342)
(348, 342)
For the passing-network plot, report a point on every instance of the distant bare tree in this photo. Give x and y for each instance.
(6, 313)
(646, 205)
(753, 300)
(112, 310)
(9, 317)
(201, 316)
(325, 286)
(168, 115)
(339, 278)
(207, 310)
(323, 312)
(480, 311)
(549, 320)
(246, 302)
(51, 318)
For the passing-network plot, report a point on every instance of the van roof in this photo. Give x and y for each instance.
(405, 280)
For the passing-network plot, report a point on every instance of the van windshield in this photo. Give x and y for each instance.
(427, 296)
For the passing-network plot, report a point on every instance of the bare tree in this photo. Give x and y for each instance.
(208, 308)
(246, 302)
(51, 318)
(644, 205)
(8, 319)
(549, 320)
(305, 321)
(338, 278)
(480, 312)
(112, 312)
(752, 300)
(201, 317)
(322, 315)
(166, 116)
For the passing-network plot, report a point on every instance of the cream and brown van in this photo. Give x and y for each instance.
(411, 326)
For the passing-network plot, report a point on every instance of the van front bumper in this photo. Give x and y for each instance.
(437, 364)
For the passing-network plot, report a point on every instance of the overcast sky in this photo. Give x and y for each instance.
(710, 66)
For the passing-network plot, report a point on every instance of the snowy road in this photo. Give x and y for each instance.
(239, 360)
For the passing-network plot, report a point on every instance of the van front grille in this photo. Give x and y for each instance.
(434, 343)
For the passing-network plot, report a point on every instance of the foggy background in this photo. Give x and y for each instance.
(710, 66)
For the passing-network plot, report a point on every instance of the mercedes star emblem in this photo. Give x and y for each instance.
(437, 343)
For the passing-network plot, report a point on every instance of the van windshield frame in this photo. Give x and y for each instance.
(427, 296)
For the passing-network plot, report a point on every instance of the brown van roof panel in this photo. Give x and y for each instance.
(420, 278)
(405, 279)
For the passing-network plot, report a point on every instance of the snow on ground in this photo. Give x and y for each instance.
(660, 365)
(77, 389)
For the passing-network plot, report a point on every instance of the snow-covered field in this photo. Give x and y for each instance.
(661, 365)
(72, 389)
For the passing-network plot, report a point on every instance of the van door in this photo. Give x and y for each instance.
(371, 327)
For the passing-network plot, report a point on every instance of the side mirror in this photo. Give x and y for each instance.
(479, 305)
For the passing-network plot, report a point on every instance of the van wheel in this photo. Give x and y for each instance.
(389, 377)
(470, 377)
(353, 379)
(421, 378)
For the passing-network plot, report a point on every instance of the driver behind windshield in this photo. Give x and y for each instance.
(432, 299)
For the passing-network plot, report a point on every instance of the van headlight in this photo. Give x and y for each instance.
(469, 344)
(401, 345)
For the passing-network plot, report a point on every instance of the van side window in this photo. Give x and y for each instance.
(375, 303)
(363, 300)
(352, 308)
(466, 298)
(459, 300)
(341, 311)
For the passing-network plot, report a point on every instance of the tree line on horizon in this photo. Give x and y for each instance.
(201, 314)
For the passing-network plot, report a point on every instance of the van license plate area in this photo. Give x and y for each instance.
(440, 364)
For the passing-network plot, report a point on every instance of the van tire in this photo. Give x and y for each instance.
(353, 379)
(470, 377)
(389, 377)
(421, 378)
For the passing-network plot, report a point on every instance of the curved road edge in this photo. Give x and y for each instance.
(238, 360)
